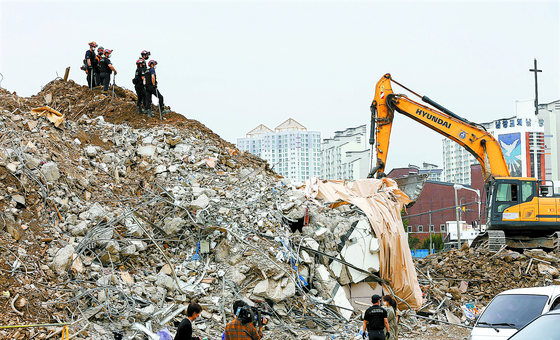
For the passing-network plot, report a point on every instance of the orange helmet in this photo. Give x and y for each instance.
(93, 44)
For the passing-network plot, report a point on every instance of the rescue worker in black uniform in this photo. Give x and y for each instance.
(97, 70)
(139, 85)
(106, 68)
(91, 63)
(375, 319)
(150, 81)
(145, 55)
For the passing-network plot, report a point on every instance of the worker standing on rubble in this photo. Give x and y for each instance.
(91, 63)
(237, 330)
(106, 68)
(97, 69)
(150, 81)
(184, 332)
(145, 55)
(375, 320)
(391, 307)
(139, 85)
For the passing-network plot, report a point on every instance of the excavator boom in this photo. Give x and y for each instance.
(471, 136)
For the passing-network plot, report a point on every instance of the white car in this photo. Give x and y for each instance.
(512, 310)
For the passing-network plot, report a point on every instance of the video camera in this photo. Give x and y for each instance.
(248, 314)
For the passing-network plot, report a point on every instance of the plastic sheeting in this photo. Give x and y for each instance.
(382, 201)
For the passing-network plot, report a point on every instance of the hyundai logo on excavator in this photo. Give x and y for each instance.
(433, 118)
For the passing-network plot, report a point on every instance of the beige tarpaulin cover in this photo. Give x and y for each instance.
(51, 114)
(382, 202)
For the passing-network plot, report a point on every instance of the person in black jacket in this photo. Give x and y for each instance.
(375, 320)
(106, 68)
(91, 63)
(139, 85)
(97, 70)
(184, 332)
(150, 81)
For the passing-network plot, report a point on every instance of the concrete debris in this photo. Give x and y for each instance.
(114, 221)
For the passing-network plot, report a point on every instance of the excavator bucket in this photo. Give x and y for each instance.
(412, 185)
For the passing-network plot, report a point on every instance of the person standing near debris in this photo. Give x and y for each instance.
(391, 307)
(97, 70)
(106, 68)
(139, 85)
(184, 332)
(375, 320)
(150, 81)
(145, 55)
(237, 330)
(91, 63)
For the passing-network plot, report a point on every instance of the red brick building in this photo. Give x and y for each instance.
(439, 199)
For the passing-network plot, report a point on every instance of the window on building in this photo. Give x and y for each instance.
(409, 229)
(442, 228)
(420, 228)
(432, 228)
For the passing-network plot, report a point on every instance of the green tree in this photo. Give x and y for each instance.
(437, 241)
(413, 242)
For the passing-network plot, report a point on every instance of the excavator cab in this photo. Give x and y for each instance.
(522, 213)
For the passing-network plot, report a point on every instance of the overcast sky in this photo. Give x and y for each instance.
(234, 65)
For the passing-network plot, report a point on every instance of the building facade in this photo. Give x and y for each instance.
(435, 207)
(521, 138)
(290, 149)
(346, 155)
(550, 113)
(457, 163)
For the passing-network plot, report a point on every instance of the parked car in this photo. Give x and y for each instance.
(512, 309)
(544, 327)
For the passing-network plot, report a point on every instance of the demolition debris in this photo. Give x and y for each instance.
(112, 221)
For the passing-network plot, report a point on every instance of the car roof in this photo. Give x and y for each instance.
(548, 291)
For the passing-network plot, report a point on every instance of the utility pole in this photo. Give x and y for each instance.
(536, 88)
(430, 229)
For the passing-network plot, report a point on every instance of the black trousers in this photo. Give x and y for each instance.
(376, 335)
(97, 77)
(153, 91)
(106, 79)
(141, 94)
(90, 78)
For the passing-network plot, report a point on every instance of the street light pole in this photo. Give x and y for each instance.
(458, 187)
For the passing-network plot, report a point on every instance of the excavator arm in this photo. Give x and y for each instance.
(473, 137)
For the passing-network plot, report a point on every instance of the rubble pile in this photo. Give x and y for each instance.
(114, 221)
(458, 284)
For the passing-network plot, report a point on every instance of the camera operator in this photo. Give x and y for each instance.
(242, 327)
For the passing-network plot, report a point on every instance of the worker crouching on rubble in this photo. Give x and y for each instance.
(150, 81)
(106, 68)
(391, 307)
(184, 332)
(375, 321)
(242, 327)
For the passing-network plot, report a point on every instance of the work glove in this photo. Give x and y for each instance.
(363, 334)
(388, 336)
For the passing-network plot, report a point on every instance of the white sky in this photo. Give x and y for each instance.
(234, 65)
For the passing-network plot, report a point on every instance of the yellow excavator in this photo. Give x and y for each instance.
(521, 213)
